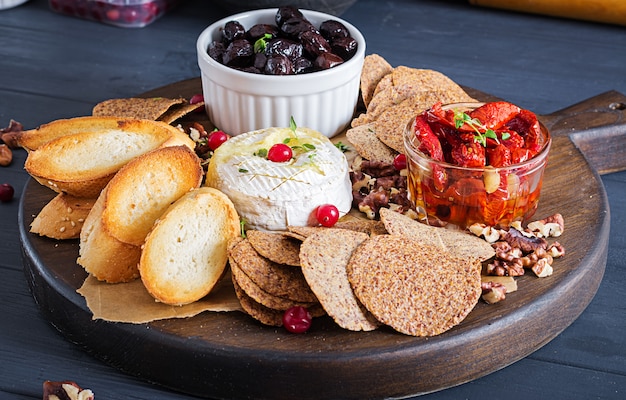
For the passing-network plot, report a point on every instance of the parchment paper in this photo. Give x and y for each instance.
(131, 303)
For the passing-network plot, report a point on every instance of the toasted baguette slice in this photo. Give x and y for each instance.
(143, 189)
(34, 138)
(102, 255)
(185, 254)
(63, 217)
(83, 162)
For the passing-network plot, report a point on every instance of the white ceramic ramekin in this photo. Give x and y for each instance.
(239, 102)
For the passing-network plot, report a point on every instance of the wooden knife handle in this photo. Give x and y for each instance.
(607, 11)
(597, 126)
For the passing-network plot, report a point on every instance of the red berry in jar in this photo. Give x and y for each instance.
(279, 152)
(327, 215)
(216, 138)
(6, 192)
(297, 319)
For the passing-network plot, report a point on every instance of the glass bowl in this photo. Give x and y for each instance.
(495, 196)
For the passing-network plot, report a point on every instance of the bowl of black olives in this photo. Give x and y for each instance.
(263, 68)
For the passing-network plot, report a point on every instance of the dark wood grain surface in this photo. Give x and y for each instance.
(54, 67)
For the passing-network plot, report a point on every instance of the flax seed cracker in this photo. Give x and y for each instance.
(136, 107)
(457, 243)
(277, 279)
(276, 247)
(324, 257)
(414, 288)
(259, 295)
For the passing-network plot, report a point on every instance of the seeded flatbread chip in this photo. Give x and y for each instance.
(324, 258)
(259, 295)
(368, 145)
(414, 288)
(178, 111)
(275, 246)
(263, 314)
(457, 243)
(374, 69)
(135, 107)
(371, 227)
(277, 279)
(303, 231)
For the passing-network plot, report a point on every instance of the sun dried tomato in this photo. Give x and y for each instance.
(499, 156)
(495, 115)
(428, 143)
(468, 154)
(526, 124)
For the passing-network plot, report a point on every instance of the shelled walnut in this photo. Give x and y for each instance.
(518, 249)
(65, 390)
(8, 141)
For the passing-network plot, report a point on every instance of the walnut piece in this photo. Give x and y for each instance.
(493, 292)
(551, 226)
(65, 390)
(6, 155)
(489, 233)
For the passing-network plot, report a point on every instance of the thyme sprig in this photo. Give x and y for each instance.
(482, 132)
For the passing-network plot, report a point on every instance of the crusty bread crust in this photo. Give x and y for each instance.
(185, 254)
(145, 187)
(34, 138)
(79, 156)
(63, 217)
(102, 255)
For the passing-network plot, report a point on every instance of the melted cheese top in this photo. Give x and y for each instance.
(272, 195)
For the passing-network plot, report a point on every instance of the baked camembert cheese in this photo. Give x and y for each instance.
(272, 195)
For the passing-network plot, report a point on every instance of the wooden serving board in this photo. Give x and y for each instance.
(229, 355)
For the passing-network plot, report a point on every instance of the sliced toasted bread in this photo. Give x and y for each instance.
(102, 255)
(185, 253)
(145, 187)
(63, 217)
(79, 156)
(34, 138)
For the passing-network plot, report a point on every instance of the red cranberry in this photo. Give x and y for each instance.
(279, 152)
(327, 215)
(215, 139)
(399, 162)
(6, 192)
(297, 319)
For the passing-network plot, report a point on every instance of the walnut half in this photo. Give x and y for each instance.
(65, 390)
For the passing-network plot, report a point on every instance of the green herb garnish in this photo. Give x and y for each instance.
(482, 133)
(261, 43)
(261, 153)
(342, 147)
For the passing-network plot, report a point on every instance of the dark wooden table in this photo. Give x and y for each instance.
(54, 66)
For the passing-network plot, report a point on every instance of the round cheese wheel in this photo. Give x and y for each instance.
(273, 195)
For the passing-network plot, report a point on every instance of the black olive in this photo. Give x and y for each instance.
(294, 27)
(259, 30)
(278, 65)
(314, 44)
(333, 29)
(232, 31)
(302, 65)
(344, 47)
(287, 12)
(239, 53)
(327, 60)
(259, 61)
(285, 47)
(216, 50)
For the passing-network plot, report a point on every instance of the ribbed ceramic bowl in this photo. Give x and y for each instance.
(239, 102)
